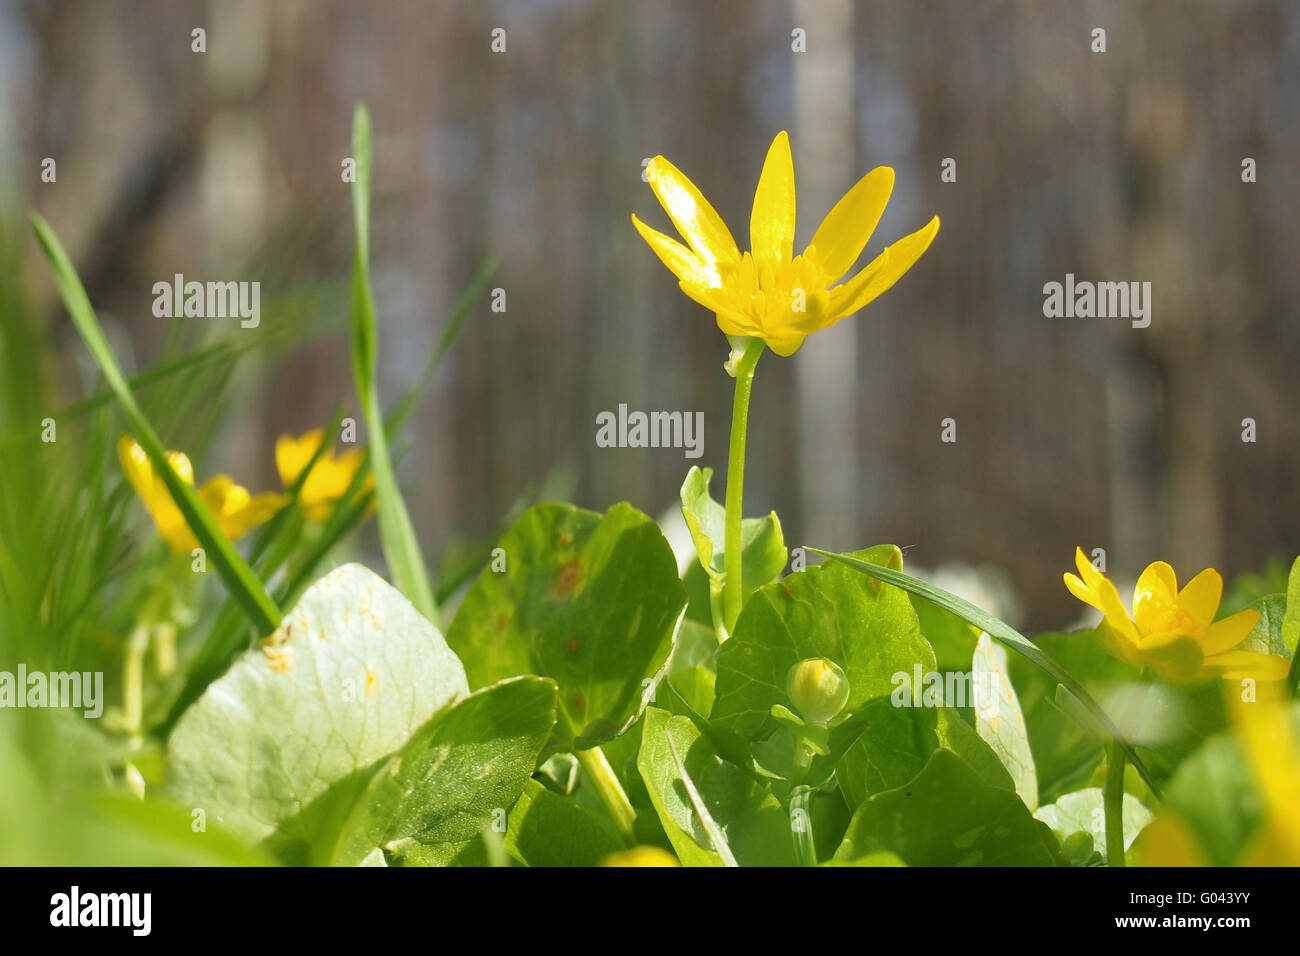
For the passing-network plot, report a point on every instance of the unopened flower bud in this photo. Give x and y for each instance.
(818, 689)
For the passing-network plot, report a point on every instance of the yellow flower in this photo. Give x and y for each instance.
(769, 292)
(1171, 631)
(641, 856)
(1266, 733)
(235, 510)
(328, 479)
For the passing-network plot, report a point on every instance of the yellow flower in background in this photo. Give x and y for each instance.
(769, 292)
(328, 479)
(1268, 736)
(1171, 631)
(641, 856)
(235, 510)
(1266, 732)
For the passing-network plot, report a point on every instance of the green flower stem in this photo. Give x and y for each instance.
(1113, 801)
(133, 683)
(596, 765)
(734, 593)
(805, 851)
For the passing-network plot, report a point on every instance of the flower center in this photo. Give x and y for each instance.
(785, 295)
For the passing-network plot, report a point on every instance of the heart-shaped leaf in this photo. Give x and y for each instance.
(750, 820)
(869, 630)
(458, 775)
(998, 718)
(547, 829)
(287, 738)
(925, 826)
(587, 600)
(762, 546)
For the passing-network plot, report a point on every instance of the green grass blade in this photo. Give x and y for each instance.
(238, 577)
(1097, 721)
(396, 534)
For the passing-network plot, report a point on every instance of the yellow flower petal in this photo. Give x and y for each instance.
(180, 463)
(681, 262)
(1111, 606)
(845, 231)
(1238, 665)
(883, 271)
(768, 292)
(1102, 596)
(1118, 645)
(1157, 582)
(784, 344)
(1166, 841)
(771, 221)
(1086, 570)
(293, 454)
(732, 322)
(697, 221)
(1173, 654)
(136, 466)
(1270, 847)
(1154, 607)
(1080, 590)
(712, 299)
(259, 509)
(1226, 634)
(237, 512)
(328, 479)
(641, 856)
(1269, 739)
(1201, 595)
(153, 493)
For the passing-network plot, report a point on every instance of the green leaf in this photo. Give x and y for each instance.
(879, 858)
(963, 740)
(762, 554)
(588, 600)
(1000, 631)
(751, 820)
(457, 776)
(1065, 752)
(288, 738)
(237, 575)
(1084, 811)
(1213, 791)
(952, 638)
(1268, 635)
(692, 670)
(899, 741)
(998, 718)
(396, 533)
(948, 816)
(547, 829)
(869, 631)
(164, 835)
(894, 747)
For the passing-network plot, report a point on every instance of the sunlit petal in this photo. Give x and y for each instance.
(771, 222)
(1201, 595)
(883, 271)
(681, 262)
(697, 221)
(844, 233)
